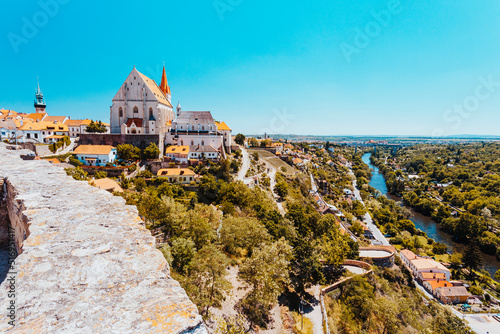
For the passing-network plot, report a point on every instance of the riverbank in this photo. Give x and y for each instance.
(426, 224)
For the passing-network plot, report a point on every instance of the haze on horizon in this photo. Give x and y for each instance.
(329, 68)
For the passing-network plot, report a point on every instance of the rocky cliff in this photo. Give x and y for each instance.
(86, 263)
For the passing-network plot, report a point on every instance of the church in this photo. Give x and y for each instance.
(142, 107)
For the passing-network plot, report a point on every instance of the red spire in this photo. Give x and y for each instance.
(164, 83)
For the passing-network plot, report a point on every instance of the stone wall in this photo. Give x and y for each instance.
(142, 141)
(87, 264)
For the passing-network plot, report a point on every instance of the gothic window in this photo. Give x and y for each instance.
(192, 127)
(203, 128)
(150, 112)
(121, 111)
(136, 110)
(192, 143)
(202, 143)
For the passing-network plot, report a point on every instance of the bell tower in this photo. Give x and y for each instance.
(39, 101)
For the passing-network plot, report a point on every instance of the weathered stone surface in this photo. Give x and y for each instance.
(87, 264)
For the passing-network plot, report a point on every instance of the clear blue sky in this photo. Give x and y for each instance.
(275, 66)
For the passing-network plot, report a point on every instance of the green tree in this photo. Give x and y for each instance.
(128, 152)
(239, 139)
(96, 127)
(140, 184)
(266, 272)
(183, 251)
(245, 233)
(334, 247)
(497, 275)
(206, 282)
(472, 257)
(77, 173)
(100, 175)
(152, 151)
(281, 189)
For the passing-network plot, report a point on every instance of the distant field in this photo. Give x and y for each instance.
(273, 160)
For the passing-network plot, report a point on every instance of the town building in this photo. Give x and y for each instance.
(141, 106)
(407, 256)
(452, 294)
(77, 126)
(177, 175)
(193, 128)
(95, 155)
(420, 265)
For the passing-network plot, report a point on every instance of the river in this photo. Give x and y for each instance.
(426, 224)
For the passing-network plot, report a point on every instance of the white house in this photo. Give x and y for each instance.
(423, 265)
(95, 155)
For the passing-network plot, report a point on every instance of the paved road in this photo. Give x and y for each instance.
(245, 165)
(480, 323)
(313, 310)
(368, 219)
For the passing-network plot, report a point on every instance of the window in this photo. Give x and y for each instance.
(27, 135)
(202, 143)
(203, 127)
(136, 110)
(36, 135)
(192, 142)
(150, 112)
(192, 127)
(121, 111)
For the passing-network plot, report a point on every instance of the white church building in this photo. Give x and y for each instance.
(141, 106)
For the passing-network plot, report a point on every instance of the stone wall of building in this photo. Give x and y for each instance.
(142, 141)
(86, 264)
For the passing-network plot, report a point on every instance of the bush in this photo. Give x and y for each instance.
(74, 161)
(476, 290)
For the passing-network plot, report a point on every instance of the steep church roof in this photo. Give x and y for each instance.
(155, 89)
(165, 88)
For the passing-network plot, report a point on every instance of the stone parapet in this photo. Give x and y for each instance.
(86, 264)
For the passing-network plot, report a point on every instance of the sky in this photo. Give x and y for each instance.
(326, 67)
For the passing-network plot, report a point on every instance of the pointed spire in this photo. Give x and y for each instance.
(164, 83)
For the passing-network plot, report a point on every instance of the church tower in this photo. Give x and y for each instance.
(165, 87)
(39, 101)
(179, 108)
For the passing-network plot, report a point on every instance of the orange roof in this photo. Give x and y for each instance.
(164, 83)
(297, 161)
(221, 126)
(155, 89)
(37, 116)
(439, 284)
(60, 127)
(178, 149)
(53, 161)
(59, 119)
(408, 254)
(175, 172)
(31, 126)
(55, 137)
(77, 122)
(430, 276)
(107, 184)
(93, 149)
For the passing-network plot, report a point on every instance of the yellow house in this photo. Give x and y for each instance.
(179, 175)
